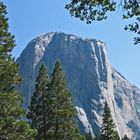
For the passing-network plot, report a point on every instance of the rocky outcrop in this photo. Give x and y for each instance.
(91, 80)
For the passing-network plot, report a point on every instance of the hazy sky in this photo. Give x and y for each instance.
(31, 18)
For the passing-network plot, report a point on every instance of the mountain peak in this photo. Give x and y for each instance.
(91, 80)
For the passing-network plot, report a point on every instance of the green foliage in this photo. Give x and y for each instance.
(7, 41)
(9, 76)
(125, 138)
(97, 137)
(51, 109)
(108, 126)
(132, 9)
(89, 136)
(11, 125)
(63, 112)
(39, 106)
(91, 10)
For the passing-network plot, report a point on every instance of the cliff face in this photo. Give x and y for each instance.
(91, 80)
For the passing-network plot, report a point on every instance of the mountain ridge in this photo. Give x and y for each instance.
(91, 80)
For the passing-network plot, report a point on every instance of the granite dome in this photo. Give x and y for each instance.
(91, 80)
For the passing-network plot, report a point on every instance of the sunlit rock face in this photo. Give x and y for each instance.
(91, 80)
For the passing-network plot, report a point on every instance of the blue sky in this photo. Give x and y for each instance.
(31, 18)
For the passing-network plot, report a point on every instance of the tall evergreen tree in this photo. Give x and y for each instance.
(108, 126)
(9, 76)
(63, 117)
(7, 41)
(11, 125)
(89, 136)
(38, 108)
(125, 138)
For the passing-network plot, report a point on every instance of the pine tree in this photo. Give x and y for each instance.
(38, 108)
(9, 76)
(89, 136)
(125, 138)
(63, 117)
(12, 127)
(7, 41)
(108, 126)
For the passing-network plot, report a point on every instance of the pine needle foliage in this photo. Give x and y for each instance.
(39, 106)
(51, 111)
(108, 131)
(12, 127)
(63, 112)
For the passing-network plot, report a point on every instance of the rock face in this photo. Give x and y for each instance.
(91, 80)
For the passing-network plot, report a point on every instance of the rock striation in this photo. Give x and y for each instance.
(91, 80)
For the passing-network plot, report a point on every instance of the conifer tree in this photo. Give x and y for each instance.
(89, 136)
(125, 138)
(7, 41)
(38, 108)
(108, 131)
(63, 123)
(12, 127)
(9, 76)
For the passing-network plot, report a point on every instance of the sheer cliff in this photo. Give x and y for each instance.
(91, 80)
